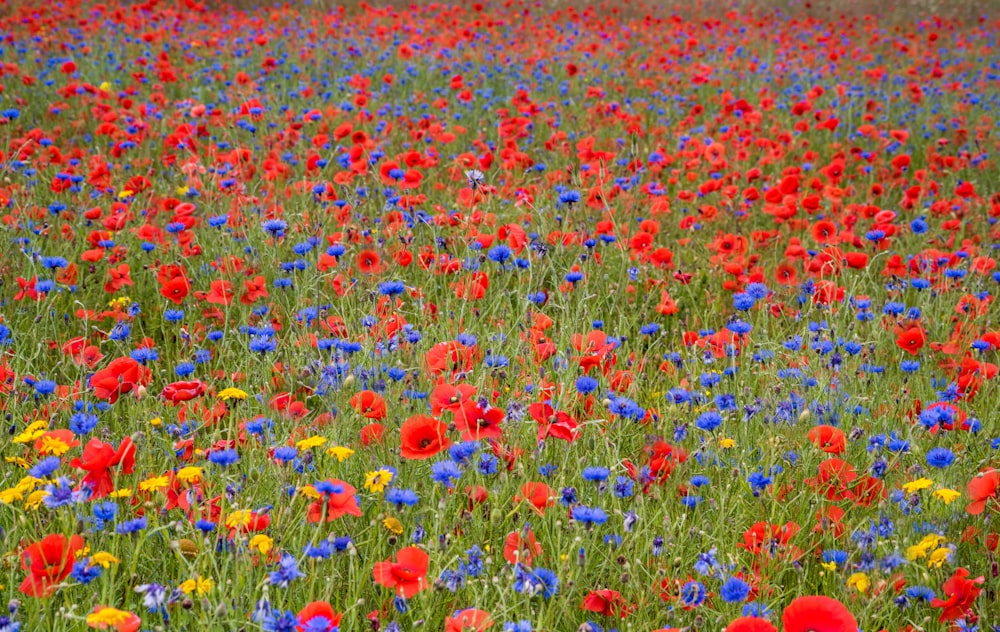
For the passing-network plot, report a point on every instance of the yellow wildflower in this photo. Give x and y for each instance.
(125, 194)
(104, 559)
(190, 474)
(53, 445)
(154, 484)
(340, 453)
(262, 543)
(156, 422)
(227, 394)
(310, 492)
(725, 443)
(859, 581)
(18, 461)
(393, 525)
(309, 443)
(200, 584)
(947, 496)
(917, 485)
(35, 498)
(124, 492)
(830, 566)
(34, 430)
(11, 494)
(108, 617)
(938, 557)
(377, 481)
(239, 519)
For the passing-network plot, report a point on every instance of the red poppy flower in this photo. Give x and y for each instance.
(369, 262)
(48, 562)
(178, 392)
(608, 603)
(98, 459)
(407, 575)
(911, 340)
(340, 502)
(469, 619)
(120, 377)
(372, 433)
(520, 549)
(751, 624)
(818, 614)
(449, 397)
(961, 593)
(368, 404)
(422, 437)
(538, 494)
(828, 439)
(313, 612)
(983, 487)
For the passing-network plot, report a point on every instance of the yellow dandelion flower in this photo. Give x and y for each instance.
(190, 474)
(124, 492)
(200, 584)
(859, 581)
(108, 617)
(154, 484)
(104, 559)
(262, 543)
(726, 443)
(377, 481)
(34, 430)
(938, 558)
(917, 485)
(309, 443)
(340, 453)
(947, 496)
(393, 525)
(227, 394)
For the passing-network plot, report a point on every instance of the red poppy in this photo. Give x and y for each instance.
(751, 624)
(818, 614)
(469, 619)
(372, 433)
(368, 404)
(407, 575)
(538, 494)
(369, 262)
(340, 502)
(422, 437)
(120, 377)
(520, 549)
(981, 489)
(828, 439)
(118, 277)
(608, 603)
(98, 459)
(313, 613)
(175, 289)
(178, 392)
(911, 340)
(961, 593)
(451, 398)
(48, 562)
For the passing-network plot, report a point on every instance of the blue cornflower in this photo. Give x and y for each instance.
(734, 590)
(45, 467)
(596, 474)
(586, 385)
(940, 457)
(84, 573)
(589, 515)
(692, 594)
(285, 453)
(275, 227)
(445, 472)
(401, 497)
(624, 487)
(708, 420)
(277, 621)
(224, 458)
(288, 571)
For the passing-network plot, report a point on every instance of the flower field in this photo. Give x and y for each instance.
(497, 316)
